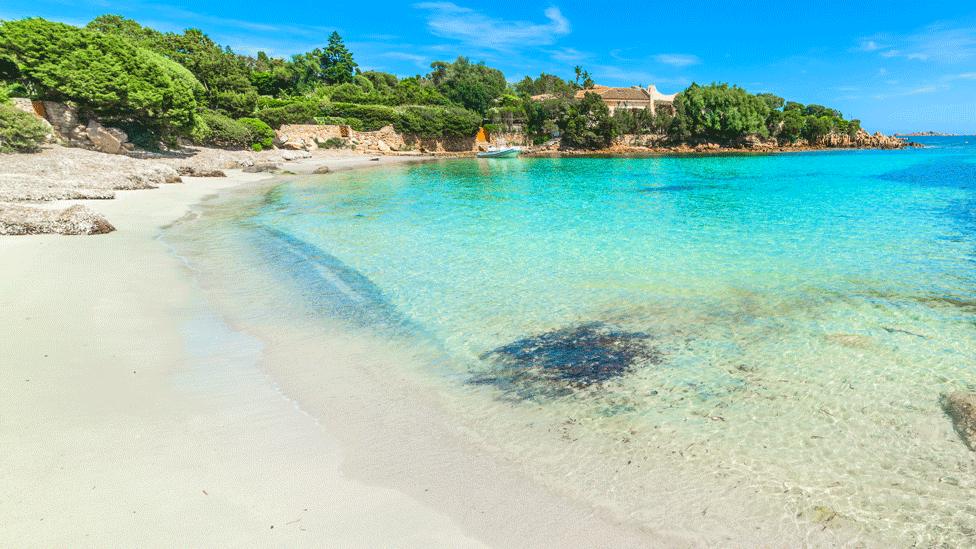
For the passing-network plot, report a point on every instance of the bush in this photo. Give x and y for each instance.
(20, 131)
(373, 117)
(290, 112)
(222, 131)
(353, 123)
(334, 143)
(262, 136)
(106, 74)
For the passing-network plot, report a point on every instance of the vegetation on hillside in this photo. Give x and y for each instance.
(166, 85)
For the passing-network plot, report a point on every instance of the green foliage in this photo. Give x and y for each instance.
(19, 131)
(219, 130)
(433, 121)
(338, 66)
(422, 120)
(641, 121)
(373, 117)
(586, 124)
(226, 77)
(107, 74)
(353, 123)
(302, 111)
(546, 84)
(719, 113)
(261, 134)
(334, 143)
(472, 86)
(541, 117)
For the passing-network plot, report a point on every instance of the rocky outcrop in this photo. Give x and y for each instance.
(58, 173)
(194, 171)
(961, 407)
(862, 140)
(68, 128)
(106, 140)
(23, 220)
(262, 167)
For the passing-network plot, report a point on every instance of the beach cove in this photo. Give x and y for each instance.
(651, 354)
(133, 411)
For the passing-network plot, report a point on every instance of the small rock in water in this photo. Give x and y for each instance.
(961, 407)
(557, 362)
(322, 170)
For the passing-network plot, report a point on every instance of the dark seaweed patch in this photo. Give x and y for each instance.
(558, 362)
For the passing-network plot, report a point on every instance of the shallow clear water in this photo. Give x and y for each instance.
(748, 346)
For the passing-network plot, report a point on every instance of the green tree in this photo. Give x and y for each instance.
(586, 124)
(338, 65)
(108, 75)
(226, 77)
(470, 85)
(719, 113)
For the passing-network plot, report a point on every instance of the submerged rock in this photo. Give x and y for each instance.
(560, 361)
(961, 407)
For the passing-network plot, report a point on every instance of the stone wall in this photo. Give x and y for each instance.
(384, 140)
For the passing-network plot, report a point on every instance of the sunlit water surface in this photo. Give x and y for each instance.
(736, 347)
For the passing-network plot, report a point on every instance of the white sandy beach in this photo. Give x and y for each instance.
(131, 414)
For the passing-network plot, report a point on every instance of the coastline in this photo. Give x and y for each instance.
(138, 415)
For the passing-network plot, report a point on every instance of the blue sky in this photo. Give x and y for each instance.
(896, 65)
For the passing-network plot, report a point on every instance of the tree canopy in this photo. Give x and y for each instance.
(108, 74)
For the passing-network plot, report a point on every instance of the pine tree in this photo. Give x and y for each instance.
(338, 66)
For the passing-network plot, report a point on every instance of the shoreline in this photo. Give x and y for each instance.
(160, 422)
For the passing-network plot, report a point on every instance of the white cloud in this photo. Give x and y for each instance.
(448, 20)
(938, 42)
(870, 45)
(677, 59)
(569, 55)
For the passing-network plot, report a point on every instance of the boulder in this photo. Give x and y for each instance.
(193, 171)
(21, 220)
(961, 408)
(262, 167)
(289, 156)
(106, 140)
(322, 170)
(293, 145)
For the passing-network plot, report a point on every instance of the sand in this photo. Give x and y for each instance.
(132, 414)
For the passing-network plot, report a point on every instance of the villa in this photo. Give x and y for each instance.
(633, 98)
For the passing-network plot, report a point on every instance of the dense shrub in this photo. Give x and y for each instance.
(220, 130)
(106, 74)
(290, 112)
(262, 136)
(20, 131)
(373, 117)
(353, 123)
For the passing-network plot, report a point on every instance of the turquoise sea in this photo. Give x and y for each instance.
(742, 347)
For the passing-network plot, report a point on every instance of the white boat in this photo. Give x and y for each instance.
(500, 152)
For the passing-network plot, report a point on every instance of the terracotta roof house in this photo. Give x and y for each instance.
(631, 98)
